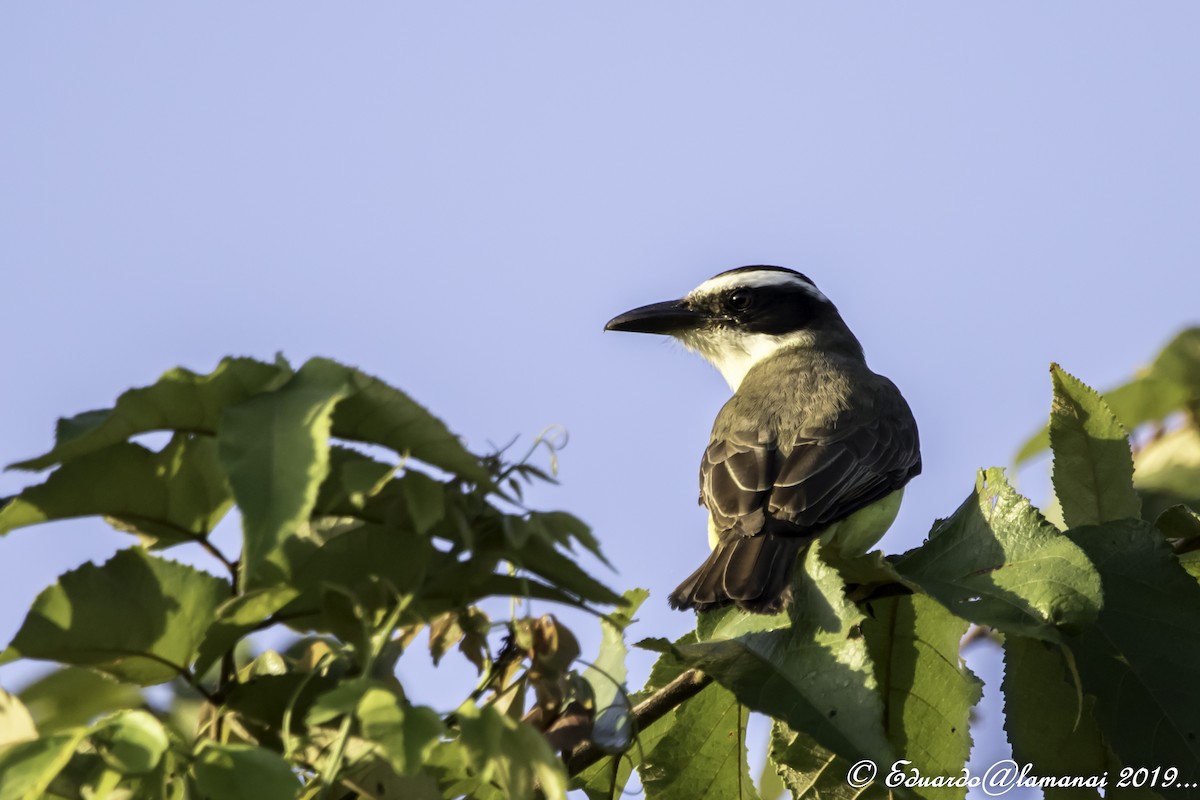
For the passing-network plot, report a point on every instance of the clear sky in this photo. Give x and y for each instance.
(456, 197)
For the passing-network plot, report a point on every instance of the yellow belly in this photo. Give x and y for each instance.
(854, 535)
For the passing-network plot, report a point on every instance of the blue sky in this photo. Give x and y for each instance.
(456, 198)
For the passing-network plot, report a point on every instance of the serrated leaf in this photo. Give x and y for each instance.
(131, 742)
(1146, 637)
(510, 753)
(928, 693)
(1047, 726)
(612, 729)
(275, 451)
(243, 772)
(809, 770)
(1144, 399)
(997, 562)
(73, 696)
(27, 768)
(175, 495)
(380, 414)
(137, 617)
(180, 400)
(1093, 466)
(815, 675)
(702, 756)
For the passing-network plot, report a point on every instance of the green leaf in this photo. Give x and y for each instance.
(510, 753)
(181, 400)
(612, 728)
(175, 495)
(275, 450)
(131, 742)
(1047, 726)
(927, 692)
(1144, 399)
(27, 768)
(138, 617)
(237, 617)
(242, 772)
(1145, 642)
(352, 480)
(74, 696)
(809, 770)
(380, 414)
(1093, 467)
(997, 562)
(1179, 361)
(16, 724)
(606, 779)
(1168, 470)
(815, 675)
(405, 734)
(357, 561)
(703, 754)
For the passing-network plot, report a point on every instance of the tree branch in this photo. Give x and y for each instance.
(645, 713)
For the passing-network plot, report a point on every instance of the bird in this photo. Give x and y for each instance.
(812, 442)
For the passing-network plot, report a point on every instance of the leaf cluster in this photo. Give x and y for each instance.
(354, 551)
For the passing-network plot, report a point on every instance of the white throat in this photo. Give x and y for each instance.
(734, 354)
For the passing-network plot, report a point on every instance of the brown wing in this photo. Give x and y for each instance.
(823, 476)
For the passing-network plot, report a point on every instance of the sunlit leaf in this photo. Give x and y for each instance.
(27, 768)
(176, 495)
(1093, 467)
(74, 696)
(137, 617)
(998, 562)
(181, 400)
(275, 450)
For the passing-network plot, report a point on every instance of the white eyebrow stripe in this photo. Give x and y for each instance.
(755, 279)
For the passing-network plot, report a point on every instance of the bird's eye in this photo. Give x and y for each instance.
(740, 299)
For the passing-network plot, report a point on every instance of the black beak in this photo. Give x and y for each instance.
(667, 318)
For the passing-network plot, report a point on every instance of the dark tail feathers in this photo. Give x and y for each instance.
(755, 572)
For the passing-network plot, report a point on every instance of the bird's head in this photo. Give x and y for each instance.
(740, 317)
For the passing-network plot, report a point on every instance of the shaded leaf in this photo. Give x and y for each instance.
(404, 733)
(131, 742)
(1146, 637)
(997, 562)
(138, 617)
(814, 675)
(928, 693)
(27, 768)
(243, 772)
(1046, 725)
(175, 495)
(702, 756)
(352, 479)
(1093, 466)
(510, 753)
(275, 450)
(181, 400)
(1167, 471)
(1179, 361)
(809, 770)
(73, 696)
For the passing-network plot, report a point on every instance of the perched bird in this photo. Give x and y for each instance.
(812, 439)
